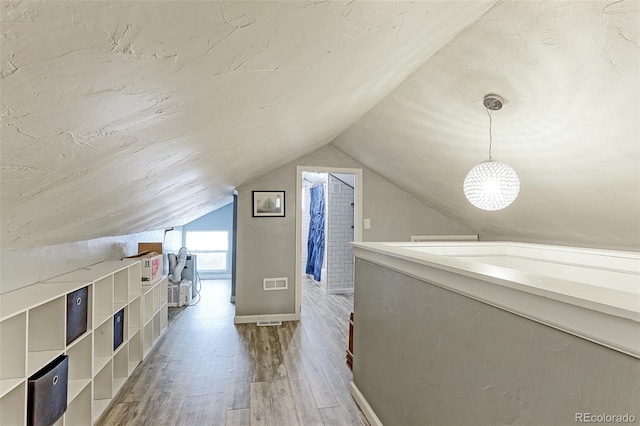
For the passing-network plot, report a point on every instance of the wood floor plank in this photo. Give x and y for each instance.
(201, 410)
(267, 358)
(290, 336)
(339, 387)
(261, 405)
(284, 407)
(143, 385)
(307, 410)
(122, 413)
(239, 395)
(238, 417)
(292, 359)
(319, 384)
(334, 416)
(206, 370)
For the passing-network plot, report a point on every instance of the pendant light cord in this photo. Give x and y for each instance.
(490, 136)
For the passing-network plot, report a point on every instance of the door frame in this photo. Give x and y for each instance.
(357, 213)
(234, 245)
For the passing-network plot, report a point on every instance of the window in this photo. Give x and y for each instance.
(211, 247)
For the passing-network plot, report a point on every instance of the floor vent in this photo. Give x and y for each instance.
(268, 323)
(275, 283)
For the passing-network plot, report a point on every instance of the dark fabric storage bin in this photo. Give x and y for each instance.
(77, 310)
(118, 329)
(47, 393)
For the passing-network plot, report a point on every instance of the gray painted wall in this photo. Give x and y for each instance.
(266, 246)
(427, 356)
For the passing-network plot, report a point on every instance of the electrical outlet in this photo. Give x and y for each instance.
(367, 224)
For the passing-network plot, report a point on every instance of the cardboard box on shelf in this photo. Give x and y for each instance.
(156, 247)
(152, 265)
(149, 247)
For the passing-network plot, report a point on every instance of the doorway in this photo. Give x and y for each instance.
(341, 194)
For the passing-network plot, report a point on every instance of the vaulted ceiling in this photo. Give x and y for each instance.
(571, 127)
(119, 117)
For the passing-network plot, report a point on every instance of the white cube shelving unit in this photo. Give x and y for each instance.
(33, 330)
(156, 314)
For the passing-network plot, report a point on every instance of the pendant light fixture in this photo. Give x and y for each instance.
(491, 185)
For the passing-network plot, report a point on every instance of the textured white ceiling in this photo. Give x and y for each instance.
(119, 117)
(570, 71)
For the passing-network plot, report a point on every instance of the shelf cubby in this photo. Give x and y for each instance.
(13, 406)
(103, 382)
(47, 326)
(134, 316)
(118, 306)
(102, 390)
(125, 327)
(148, 306)
(164, 317)
(46, 334)
(164, 294)
(37, 360)
(76, 387)
(13, 347)
(102, 345)
(135, 278)
(148, 338)
(120, 367)
(103, 296)
(79, 366)
(7, 385)
(156, 328)
(135, 351)
(157, 299)
(79, 409)
(121, 287)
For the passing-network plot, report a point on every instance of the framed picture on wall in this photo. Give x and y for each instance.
(268, 204)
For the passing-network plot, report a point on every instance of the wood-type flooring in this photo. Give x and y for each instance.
(207, 371)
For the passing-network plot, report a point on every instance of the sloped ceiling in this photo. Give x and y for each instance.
(119, 117)
(570, 72)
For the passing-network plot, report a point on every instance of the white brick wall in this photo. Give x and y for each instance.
(339, 234)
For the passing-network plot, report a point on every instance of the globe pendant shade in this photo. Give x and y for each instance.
(491, 185)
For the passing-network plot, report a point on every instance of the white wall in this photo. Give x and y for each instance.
(23, 267)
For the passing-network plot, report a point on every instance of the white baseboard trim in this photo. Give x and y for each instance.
(246, 319)
(347, 290)
(364, 405)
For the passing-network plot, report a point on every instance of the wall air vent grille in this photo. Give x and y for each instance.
(275, 283)
(268, 323)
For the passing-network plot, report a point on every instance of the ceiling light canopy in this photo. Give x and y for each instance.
(491, 185)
